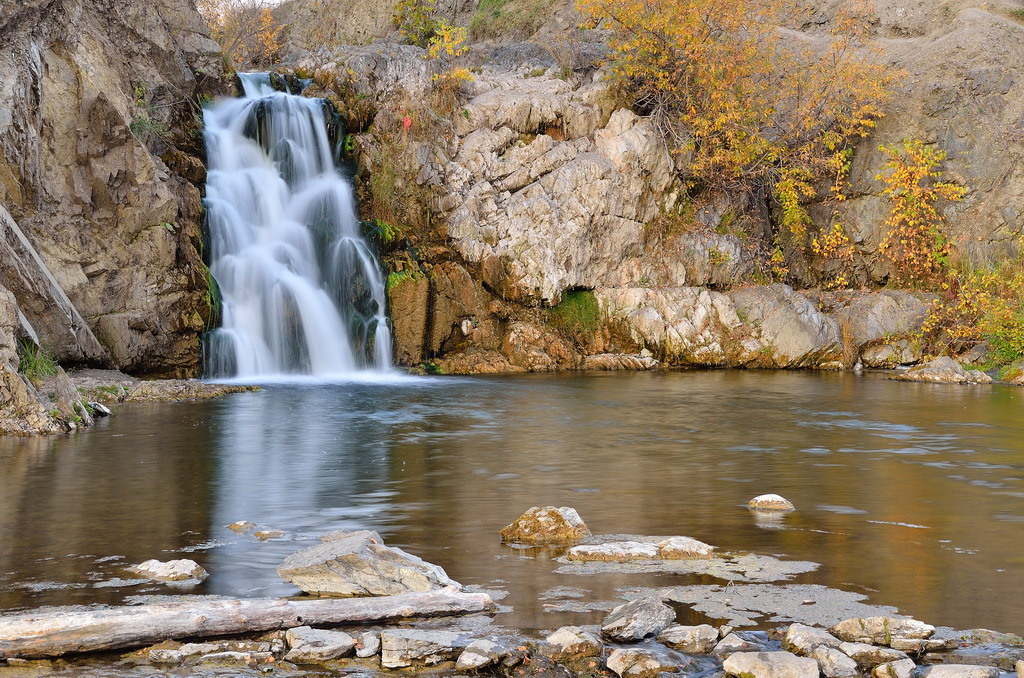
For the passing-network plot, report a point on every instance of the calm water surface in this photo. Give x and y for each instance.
(910, 493)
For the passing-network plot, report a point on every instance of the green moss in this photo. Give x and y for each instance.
(577, 313)
(398, 277)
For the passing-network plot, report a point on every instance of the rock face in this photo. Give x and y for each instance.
(637, 620)
(99, 150)
(770, 665)
(172, 570)
(547, 525)
(359, 564)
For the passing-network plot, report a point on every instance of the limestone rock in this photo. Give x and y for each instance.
(880, 630)
(405, 647)
(171, 570)
(794, 331)
(610, 362)
(942, 370)
(960, 671)
(732, 643)
(770, 665)
(872, 320)
(903, 668)
(630, 663)
(684, 548)
(699, 639)
(548, 525)
(368, 645)
(771, 502)
(869, 656)
(479, 654)
(803, 640)
(920, 645)
(359, 564)
(572, 642)
(638, 619)
(834, 664)
(614, 551)
(308, 645)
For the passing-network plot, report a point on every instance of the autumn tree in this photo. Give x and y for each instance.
(247, 31)
(760, 107)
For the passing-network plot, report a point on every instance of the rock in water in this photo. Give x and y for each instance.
(684, 548)
(614, 552)
(771, 502)
(690, 639)
(770, 665)
(880, 630)
(802, 639)
(572, 642)
(638, 664)
(942, 370)
(403, 647)
(638, 619)
(171, 570)
(904, 668)
(480, 653)
(869, 656)
(548, 525)
(835, 664)
(960, 671)
(359, 564)
(310, 645)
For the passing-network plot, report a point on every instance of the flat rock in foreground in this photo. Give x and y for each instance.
(359, 564)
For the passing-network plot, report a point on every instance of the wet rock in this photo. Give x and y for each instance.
(165, 656)
(960, 671)
(802, 639)
(684, 548)
(547, 525)
(998, 655)
(638, 619)
(632, 663)
(834, 664)
(231, 659)
(572, 642)
(772, 502)
(920, 645)
(942, 370)
(368, 645)
(267, 535)
(614, 361)
(242, 526)
(733, 643)
(308, 645)
(171, 570)
(404, 647)
(99, 409)
(690, 639)
(904, 668)
(359, 564)
(869, 656)
(770, 665)
(880, 630)
(614, 552)
(480, 653)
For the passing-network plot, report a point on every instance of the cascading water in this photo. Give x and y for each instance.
(301, 292)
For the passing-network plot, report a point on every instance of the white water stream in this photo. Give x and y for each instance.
(302, 292)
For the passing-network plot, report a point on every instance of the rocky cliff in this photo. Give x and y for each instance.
(100, 163)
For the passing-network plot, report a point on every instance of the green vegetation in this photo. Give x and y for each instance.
(415, 21)
(1017, 14)
(383, 232)
(35, 363)
(717, 256)
(508, 18)
(398, 277)
(577, 313)
(143, 126)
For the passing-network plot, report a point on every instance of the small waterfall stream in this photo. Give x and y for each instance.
(301, 291)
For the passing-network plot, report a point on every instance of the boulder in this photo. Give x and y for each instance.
(903, 668)
(771, 502)
(309, 646)
(638, 619)
(548, 525)
(572, 642)
(943, 370)
(960, 671)
(630, 663)
(479, 654)
(368, 645)
(359, 564)
(770, 665)
(404, 647)
(690, 639)
(803, 640)
(615, 552)
(684, 548)
(869, 656)
(733, 643)
(880, 630)
(834, 664)
(171, 570)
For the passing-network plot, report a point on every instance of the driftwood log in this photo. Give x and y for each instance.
(56, 631)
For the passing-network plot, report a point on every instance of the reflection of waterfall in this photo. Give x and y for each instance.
(302, 292)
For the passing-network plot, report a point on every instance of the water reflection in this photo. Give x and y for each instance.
(913, 493)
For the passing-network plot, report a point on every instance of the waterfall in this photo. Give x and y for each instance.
(301, 291)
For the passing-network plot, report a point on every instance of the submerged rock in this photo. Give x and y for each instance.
(547, 525)
(770, 665)
(359, 564)
(771, 502)
(631, 663)
(690, 639)
(404, 647)
(308, 645)
(614, 552)
(880, 630)
(171, 570)
(638, 619)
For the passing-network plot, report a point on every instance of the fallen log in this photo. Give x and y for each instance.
(56, 631)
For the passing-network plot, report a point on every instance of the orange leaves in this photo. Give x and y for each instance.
(246, 30)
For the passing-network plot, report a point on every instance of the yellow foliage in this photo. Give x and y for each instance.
(758, 107)
(448, 40)
(246, 30)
